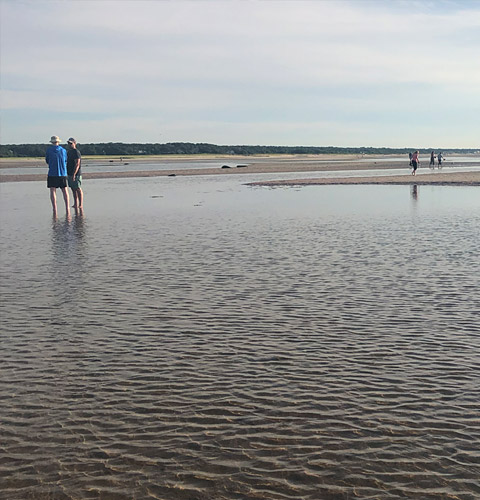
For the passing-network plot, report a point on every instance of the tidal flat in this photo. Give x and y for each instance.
(457, 170)
(194, 337)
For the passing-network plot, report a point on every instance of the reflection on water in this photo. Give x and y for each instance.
(69, 257)
(414, 192)
(68, 239)
(300, 343)
(68, 243)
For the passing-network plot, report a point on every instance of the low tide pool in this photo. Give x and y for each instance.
(196, 338)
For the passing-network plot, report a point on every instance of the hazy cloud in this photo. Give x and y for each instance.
(264, 72)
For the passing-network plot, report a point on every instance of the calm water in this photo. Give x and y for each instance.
(195, 338)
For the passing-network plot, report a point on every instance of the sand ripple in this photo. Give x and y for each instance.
(333, 359)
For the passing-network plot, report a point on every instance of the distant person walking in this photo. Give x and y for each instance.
(415, 162)
(440, 159)
(74, 170)
(56, 158)
(432, 159)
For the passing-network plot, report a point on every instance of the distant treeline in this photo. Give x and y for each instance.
(188, 148)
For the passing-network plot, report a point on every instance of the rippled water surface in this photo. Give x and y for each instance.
(195, 338)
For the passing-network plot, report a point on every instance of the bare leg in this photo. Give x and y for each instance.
(66, 199)
(53, 199)
(80, 197)
(75, 198)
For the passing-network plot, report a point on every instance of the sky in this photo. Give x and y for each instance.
(393, 73)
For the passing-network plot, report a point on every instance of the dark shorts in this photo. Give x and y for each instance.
(75, 184)
(414, 164)
(54, 181)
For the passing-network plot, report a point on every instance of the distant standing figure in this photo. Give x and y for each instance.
(410, 158)
(440, 159)
(74, 170)
(432, 159)
(415, 162)
(56, 158)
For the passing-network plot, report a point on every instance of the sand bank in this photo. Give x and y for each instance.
(447, 179)
(268, 164)
(138, 160)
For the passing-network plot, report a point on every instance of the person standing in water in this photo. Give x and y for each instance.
(56, 159)
(74, 170)
(415, 162)
(440, 159)
(432, 159)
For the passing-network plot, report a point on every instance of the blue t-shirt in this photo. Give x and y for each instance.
(56, 158)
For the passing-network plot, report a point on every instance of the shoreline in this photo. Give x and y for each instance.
(275, 164)
(443, 179)
(135, 160)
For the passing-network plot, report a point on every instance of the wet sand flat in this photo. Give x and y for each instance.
(234, 159)
(451, 178)
(278, 164)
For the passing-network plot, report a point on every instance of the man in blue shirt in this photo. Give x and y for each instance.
(56, 158)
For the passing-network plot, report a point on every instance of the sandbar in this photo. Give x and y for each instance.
(271, 164)
(445, 179)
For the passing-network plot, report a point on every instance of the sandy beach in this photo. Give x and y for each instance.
(271, 164)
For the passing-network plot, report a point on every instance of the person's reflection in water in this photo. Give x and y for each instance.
(414, 192)
(79, 226)
(65, 302)
(68, 252)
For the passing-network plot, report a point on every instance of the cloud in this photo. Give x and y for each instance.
(233, 64)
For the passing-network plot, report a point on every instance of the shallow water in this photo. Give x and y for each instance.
(195, 338)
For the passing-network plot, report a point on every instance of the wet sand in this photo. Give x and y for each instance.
(451, 178)
(276, 164)
(231, 160)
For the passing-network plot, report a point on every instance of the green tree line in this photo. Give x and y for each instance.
(189, 148)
